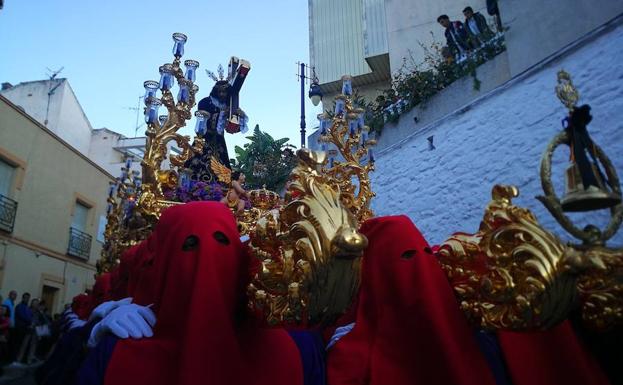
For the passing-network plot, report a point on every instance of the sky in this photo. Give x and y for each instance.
(108, 48)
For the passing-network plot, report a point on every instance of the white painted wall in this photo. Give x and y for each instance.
(539, 28)
(65, 117)
(410, 23)
(500, 140)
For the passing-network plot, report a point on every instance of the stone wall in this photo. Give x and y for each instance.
(499, 139)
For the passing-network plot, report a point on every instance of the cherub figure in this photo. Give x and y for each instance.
(236, 197)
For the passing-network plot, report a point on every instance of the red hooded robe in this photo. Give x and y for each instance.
(198, 277)
(409, 328)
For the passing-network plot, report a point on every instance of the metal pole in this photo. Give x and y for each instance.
(302, 74)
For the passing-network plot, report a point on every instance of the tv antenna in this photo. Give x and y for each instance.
(52, 75)
(137, 109)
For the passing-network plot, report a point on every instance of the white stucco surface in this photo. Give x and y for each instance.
(500, 140)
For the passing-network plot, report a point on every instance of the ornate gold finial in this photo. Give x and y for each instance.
(587, 187)
(566, 91)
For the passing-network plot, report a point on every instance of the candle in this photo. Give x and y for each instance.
(183, 94)
(179, 40)
(151, 112)
(339, 106)
(166, 77)
(151, 86)
(191, 69)
(347, 86)
(201, 126)
(370, 155)
(352, 126)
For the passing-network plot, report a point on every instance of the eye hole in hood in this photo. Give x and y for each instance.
(221, 238)
(408, 254)
(190, 243)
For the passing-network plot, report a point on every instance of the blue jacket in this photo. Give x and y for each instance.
(8, 303)
(23, 316)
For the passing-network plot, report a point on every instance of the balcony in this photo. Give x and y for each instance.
(8, 209)
(79, 244)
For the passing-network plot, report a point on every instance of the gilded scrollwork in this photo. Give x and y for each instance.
(511, 274)
(310, 251)
(600, 288)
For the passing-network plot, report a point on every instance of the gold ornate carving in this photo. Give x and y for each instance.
(566, 91)
(511, 274)
(600, 288)
(353, 146)
(221, 171)
(310, 250)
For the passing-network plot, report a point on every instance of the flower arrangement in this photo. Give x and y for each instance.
(416, 83)
(195, 191)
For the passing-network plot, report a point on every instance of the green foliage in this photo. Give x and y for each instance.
(416, 83)
(265, 161)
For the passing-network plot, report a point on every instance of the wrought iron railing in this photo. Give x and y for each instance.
(79, 244)
(8, 209)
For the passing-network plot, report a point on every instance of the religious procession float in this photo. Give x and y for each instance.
(310, 287)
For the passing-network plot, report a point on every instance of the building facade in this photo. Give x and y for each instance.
(349, 38)
(52, 211)
(534, 31)
(53, 104)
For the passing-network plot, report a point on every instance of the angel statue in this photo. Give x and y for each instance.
(217, 113)
(237, 198)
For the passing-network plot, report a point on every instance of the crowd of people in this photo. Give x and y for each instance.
(27, 330)
(173, 311)
(474, 32)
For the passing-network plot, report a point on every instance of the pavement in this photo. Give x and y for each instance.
(20, 374)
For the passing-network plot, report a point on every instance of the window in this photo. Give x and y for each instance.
(8, 207)
(79, 240)
(81, 215)
(7, 173)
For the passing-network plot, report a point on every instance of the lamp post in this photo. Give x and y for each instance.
(315, 94)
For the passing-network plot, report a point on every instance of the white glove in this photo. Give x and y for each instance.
(125, 321)
(103, 309)
(339, 333)
(76, 323)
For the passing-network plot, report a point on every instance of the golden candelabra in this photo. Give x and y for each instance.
(138, 203)
(349, 135)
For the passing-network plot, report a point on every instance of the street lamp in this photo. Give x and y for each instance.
(315, 93)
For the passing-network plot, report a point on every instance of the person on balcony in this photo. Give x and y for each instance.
(456, 36)
(478, 31)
